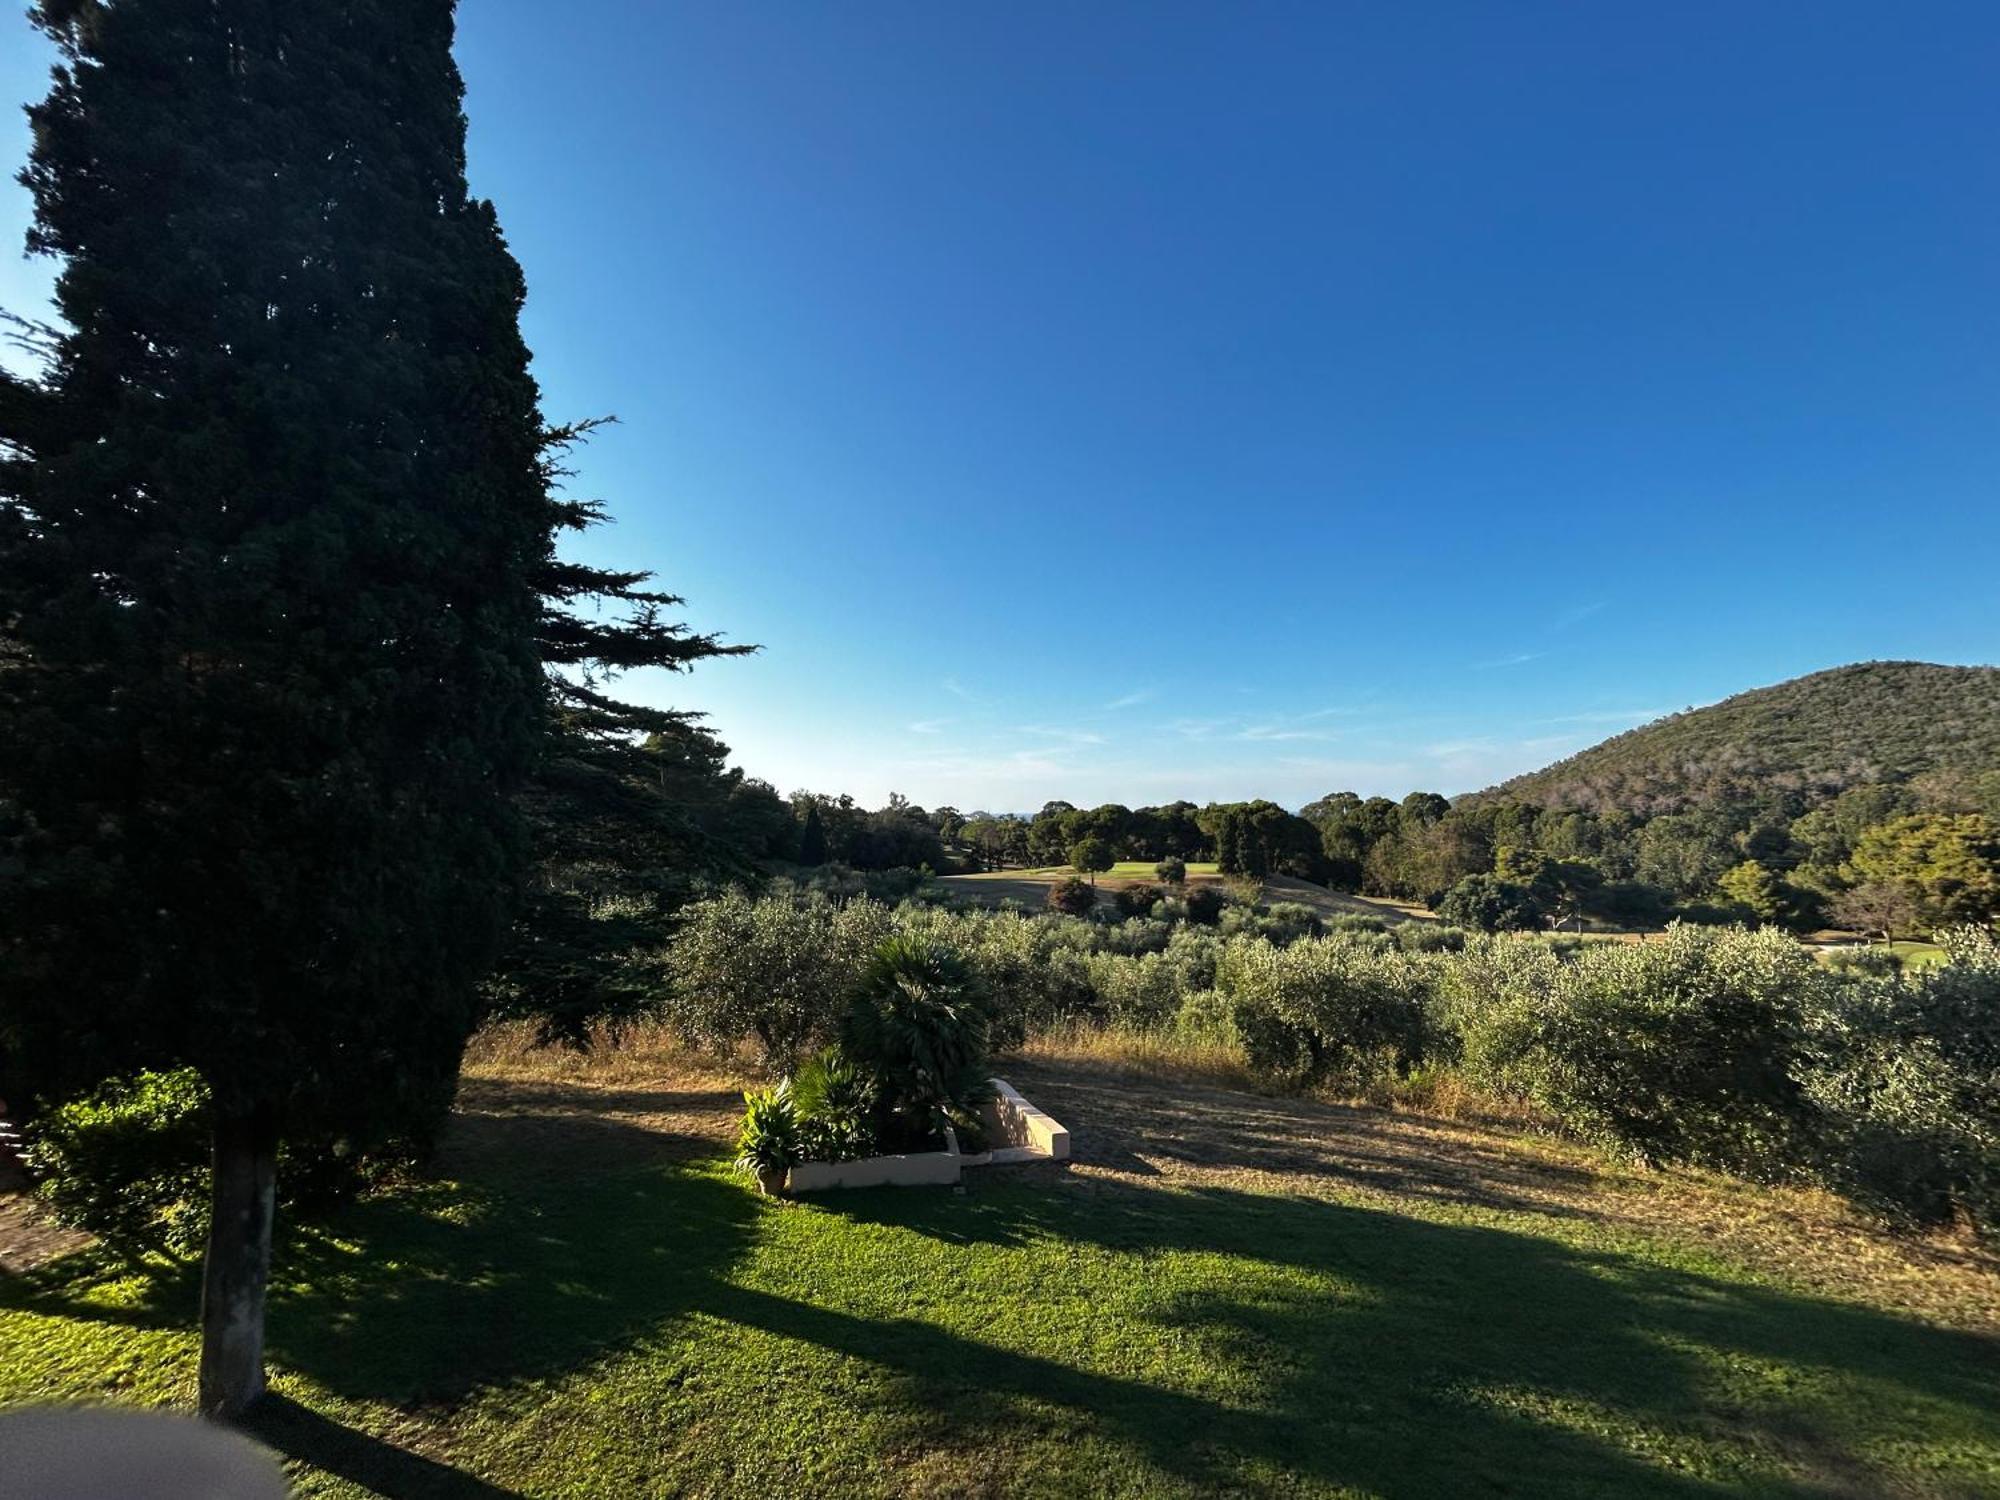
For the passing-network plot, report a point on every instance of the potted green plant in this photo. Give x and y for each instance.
(768, 1143)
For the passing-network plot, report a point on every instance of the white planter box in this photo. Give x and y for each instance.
(919, 1169)
(1019, 1132)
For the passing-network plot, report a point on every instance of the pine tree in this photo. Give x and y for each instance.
(273, 526)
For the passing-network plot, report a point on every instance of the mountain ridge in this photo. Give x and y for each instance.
(1812, 736)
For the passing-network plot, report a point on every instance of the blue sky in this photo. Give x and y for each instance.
(1124, 402)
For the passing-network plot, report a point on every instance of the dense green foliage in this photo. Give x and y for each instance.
(271, 531)
(1092, 855)
(837, 1102)
(1758, 809)
(917, 1029)
(129, 1163)
(1725, 1047)
(778, 972)
(767, 1142)
(1072, 896)
(276, 532)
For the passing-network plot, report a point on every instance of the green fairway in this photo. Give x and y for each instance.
(596, 1308)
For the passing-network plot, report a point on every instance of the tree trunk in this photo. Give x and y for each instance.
(238, 1264)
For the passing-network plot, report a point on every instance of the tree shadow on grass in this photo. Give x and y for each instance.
(382, 1468)
(431, 1291)
(1358, 1349)
(1418, 1359)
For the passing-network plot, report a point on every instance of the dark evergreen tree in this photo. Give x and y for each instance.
(812, 839)
(274, 525)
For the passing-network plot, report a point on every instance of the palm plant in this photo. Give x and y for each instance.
(835, 1102)
(919, 1027)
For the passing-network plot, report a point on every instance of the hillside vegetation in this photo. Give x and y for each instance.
(1817, 735)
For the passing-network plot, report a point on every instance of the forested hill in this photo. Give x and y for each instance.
(1816, 735)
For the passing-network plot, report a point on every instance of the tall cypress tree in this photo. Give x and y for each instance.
(812, 841)
(272, 527)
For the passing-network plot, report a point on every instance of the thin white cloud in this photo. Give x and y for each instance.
(1132, 699)
(1272, 732)
(959, 690)
(1067, 736)
(929, 726)
(1518, 659)
(1576, 614)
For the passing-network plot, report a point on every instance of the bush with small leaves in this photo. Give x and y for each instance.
(1205, 904)
(1328, 1010)
(1137, 900)
(1908, 1084)
(1690, 1048)
(776, 971)
(129, 1163)
(1429, 937)
(1353, 922)
(1073, 897)
(1171, 871)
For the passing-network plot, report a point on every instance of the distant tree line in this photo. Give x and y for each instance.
(1881, 857)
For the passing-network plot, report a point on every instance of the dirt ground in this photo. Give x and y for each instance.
(27, 1237)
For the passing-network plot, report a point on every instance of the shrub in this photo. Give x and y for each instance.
(1327, 1010)
(1073, 896)
(768, 1140)
(1137, 900)
(777, 971)
(129, 1163)
(918, 1028)
(1288, 921)
(1869, 963)
(1204, 905)
(1429, 937)
(1686, 1049)
(1141, 990)
(1487, 903)
(1171, 871)
(835, 1103)
(1353, 922)
(1207, 1018)
(1909, 1088)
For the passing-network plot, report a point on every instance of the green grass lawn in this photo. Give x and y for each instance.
(1917, 955)
(1914, 954)
(588, 1312)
